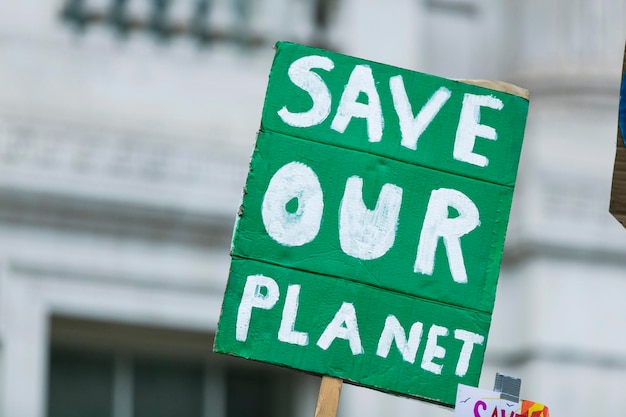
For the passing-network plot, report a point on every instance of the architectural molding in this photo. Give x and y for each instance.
(537, 249)
(558, 82)
(565, 37)
(566, 215)
(190, 284)
(70, 177)
(563, 356)
(78, 153)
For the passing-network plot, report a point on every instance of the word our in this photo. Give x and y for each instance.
(363, 233)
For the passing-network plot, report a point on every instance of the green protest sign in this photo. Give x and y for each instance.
(370, 236)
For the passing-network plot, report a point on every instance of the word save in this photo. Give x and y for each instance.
(361, 82)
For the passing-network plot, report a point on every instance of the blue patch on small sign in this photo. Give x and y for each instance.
(622, 109)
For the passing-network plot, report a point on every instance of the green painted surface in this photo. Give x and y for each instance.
(342, 209)
(434, 147)
(482, 248)
(319, 300)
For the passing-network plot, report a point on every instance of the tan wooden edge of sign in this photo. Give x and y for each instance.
(500, 86)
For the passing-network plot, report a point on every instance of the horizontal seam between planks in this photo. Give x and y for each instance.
(512, 187)
(235, 256)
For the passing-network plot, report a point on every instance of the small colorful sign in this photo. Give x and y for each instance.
(369, 240)
(476, 402)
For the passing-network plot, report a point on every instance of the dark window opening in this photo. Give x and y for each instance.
(80, 384)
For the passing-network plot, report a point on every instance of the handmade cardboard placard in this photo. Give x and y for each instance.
(617, 206)
(369, 240)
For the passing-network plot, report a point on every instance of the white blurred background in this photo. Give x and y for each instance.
(125, 131)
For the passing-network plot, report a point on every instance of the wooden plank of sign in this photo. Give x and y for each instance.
(617, 205)
(500, 86)
(482, 249)
(328, 399)
(390, 130)
(349, 330)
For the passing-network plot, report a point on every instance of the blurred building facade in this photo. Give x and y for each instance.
(125, 132)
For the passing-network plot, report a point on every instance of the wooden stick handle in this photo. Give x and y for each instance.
(328, 399)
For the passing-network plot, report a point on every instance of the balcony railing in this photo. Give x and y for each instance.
(242, 22)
